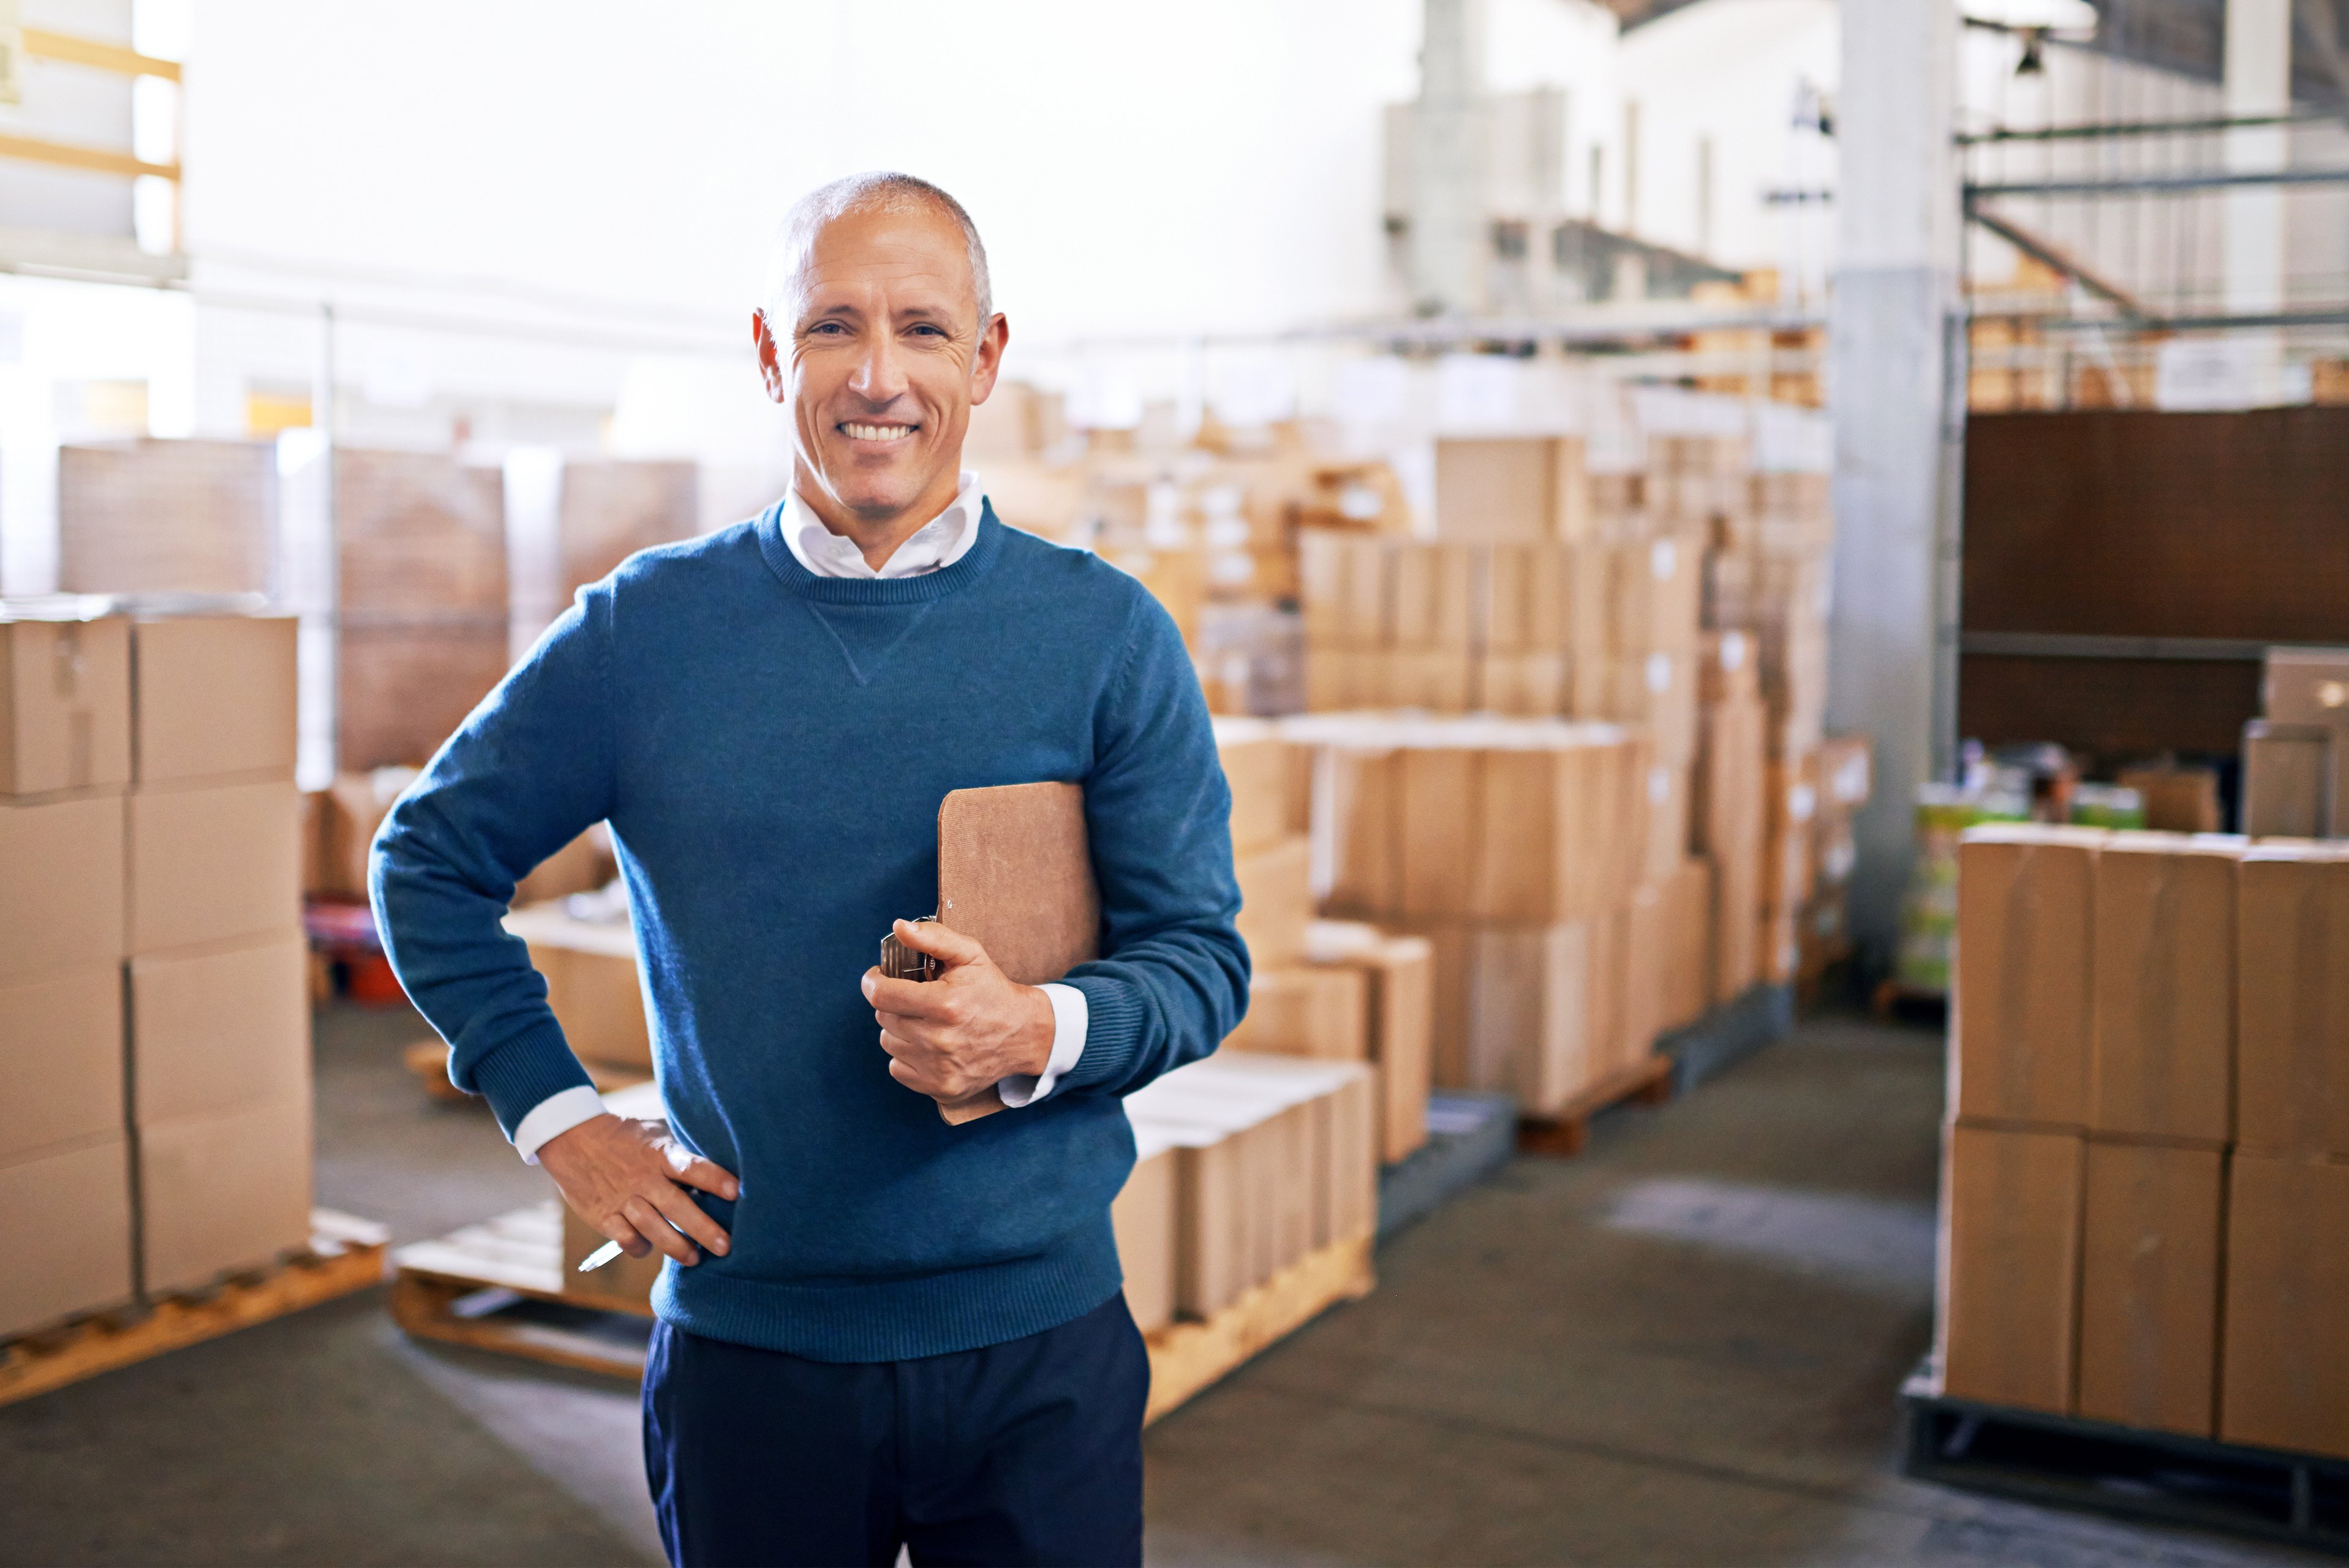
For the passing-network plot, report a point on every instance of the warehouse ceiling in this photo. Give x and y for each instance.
(2182, 36)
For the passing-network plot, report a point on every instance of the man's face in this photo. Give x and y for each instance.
(883, 361)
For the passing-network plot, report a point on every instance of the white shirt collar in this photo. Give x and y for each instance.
(939, 543)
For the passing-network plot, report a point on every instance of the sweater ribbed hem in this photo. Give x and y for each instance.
(916, 589)
(524, 1070)
(896, 1319)
(1115, 1015)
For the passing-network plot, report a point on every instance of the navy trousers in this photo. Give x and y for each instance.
(1025, 1452)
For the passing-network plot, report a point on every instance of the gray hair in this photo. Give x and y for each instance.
(877, 191)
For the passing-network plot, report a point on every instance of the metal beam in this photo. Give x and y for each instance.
(2097, 132)
(2047, 253)
(2129, 184)
(2073, 646)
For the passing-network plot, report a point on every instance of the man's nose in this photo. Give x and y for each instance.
(879, 376)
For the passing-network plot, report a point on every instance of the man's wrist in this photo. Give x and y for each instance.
(553, 1117)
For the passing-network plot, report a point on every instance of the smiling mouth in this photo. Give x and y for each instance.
(856, 431)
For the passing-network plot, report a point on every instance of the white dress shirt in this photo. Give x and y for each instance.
(942, 540)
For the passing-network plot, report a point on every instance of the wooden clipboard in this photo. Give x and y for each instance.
(1016, 875)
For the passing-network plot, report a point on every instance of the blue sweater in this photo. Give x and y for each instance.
(769, 749)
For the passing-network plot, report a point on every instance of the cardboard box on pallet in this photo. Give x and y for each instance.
(61, 900)
(2009, 1317)
(219, 1025)
(2306, 686)
(1305, 1010)
(2178, 800)
(2164, 977)
(64, 704)
(1261, 768)
(2149, 1285)
(215, 698)
(1688, 953)
(1400, 972)
(2292, 1053)
(1515, 488)
(61, 1058)
(1143, 1216)
(1529, 1026)
(224, 1190)
(1725, 822)
(2290, 779)
(2022, 1022)
(2283, 1376)
(64, 1228)
(1275, 901)
(211, 862)
(1647, 937)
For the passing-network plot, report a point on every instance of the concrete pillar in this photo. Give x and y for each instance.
(1893, 663)
(1447, 193)
(2257, 81)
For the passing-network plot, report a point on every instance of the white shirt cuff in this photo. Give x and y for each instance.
(1069, 1018)
(553, 1117)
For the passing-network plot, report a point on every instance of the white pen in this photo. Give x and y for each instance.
(599, 1257)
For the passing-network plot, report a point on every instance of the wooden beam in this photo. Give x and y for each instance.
(96, 159)
(73, 51)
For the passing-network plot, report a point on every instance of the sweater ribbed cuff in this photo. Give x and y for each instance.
(522, 1071)
(1115, 1015)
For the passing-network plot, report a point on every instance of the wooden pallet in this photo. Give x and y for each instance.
(498, 1287)
(2125, 1470)
(1566, 1132)
(428, 1061)
(344, 1256)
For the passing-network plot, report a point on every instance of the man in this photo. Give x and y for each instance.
(874, 1329)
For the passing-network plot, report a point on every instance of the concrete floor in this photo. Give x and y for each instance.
(1682, 1348)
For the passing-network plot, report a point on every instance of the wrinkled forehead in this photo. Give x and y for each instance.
(910, 249)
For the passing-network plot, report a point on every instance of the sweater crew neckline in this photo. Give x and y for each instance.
(929, 585)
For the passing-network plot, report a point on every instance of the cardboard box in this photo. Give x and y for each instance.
(1357, 809)
(2307, 686)
(1531, 593)
(2011, 1266)
(1400, 973)
(1307, 1010)
(1547, 825)
(217, 1027)
(61, 1058)
(64, 1228)
(1523, 685)
(65, 705)
(1434, 589)
(1143, 1216)
(2177, 799)
(2287, 779)
(223, 1191)
(2149, 1287)
(1275, 901)
(582, 865)
(208, 863)
(61, 897)
(1846, 773)
(1790, 803)
(2291, 1050)
(1728, 668)
(1438, 680)
(1516, 487)
(2023, 1023)
(1657, 596)
(1437, 821)
(2164, 968)
(1667, 842)
(1257, 765)
(1688, 955)
(215, 696)
(2284, 1376)
(1529, 1016)
(1646, 938)
(592, 984)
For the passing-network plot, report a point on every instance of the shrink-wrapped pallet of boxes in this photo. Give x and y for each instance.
(66, 759)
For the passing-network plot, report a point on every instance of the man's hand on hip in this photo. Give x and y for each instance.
(967, 1030)
(627, 1178)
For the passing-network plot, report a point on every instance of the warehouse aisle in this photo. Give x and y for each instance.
(1680, 1350)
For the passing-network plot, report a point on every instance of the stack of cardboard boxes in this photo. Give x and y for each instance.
(152, 973)
(1245, 1165)
(65, 1155)
(219, 496)
(1320, 990)
(1517, 848)
(1728, 816)
(2149, 1160)
(1846, 768)
(2296, 758)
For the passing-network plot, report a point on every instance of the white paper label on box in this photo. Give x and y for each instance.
(1800, 801)
(1659, 785)
(1733, 650)
(1663, 557)
(2333, 694)
(1660, 673)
